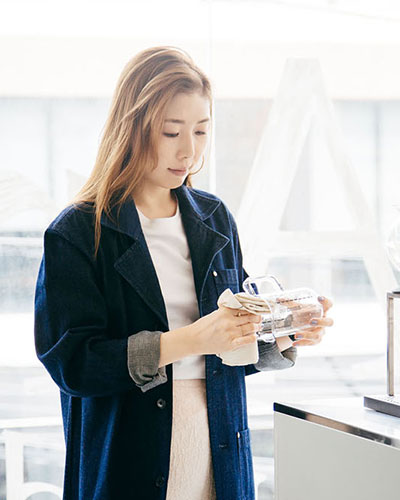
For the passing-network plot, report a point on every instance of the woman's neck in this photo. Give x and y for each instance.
(157, 203)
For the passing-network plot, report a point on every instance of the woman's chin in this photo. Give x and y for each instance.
(178, 183)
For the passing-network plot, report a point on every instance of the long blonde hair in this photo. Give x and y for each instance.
(128, 144)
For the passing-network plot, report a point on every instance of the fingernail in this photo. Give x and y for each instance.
(299, 336)
(314, 322)
(321, 298)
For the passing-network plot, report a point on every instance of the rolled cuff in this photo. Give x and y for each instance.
(270, 358)
(143, 360)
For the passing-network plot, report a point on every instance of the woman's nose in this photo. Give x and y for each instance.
(186, 148)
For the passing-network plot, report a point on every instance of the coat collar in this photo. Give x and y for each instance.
(191, 202)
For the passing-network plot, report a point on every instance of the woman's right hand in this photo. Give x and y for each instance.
(223, 330)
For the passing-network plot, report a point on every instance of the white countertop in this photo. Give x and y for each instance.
(347, 415)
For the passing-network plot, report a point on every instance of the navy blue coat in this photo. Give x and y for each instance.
(117, 436)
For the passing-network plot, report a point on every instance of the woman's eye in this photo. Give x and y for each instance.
(198, 132)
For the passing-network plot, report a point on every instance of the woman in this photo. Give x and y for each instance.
(126, 316)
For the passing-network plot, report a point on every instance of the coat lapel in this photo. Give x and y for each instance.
(204, 242)
(135, 264)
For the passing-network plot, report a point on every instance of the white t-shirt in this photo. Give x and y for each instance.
(169, 250)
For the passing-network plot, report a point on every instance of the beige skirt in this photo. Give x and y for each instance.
(190, 474)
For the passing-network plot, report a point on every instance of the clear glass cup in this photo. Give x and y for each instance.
(286, 311)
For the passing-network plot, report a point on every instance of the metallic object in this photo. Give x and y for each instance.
(389, 404)
(390, 344)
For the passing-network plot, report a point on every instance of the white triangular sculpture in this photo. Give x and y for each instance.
(302, 103)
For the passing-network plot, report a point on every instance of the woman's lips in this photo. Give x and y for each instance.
(182, 172)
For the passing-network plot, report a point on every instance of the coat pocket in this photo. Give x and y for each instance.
(226, 278)
(246, 473)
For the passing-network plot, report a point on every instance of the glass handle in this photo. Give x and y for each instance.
(253, 286)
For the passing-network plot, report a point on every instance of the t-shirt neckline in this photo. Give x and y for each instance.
(172, 217)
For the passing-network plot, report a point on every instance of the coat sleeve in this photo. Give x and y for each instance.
(270, 358)
(71, 329)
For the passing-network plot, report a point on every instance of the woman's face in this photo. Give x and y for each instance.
(183, 139)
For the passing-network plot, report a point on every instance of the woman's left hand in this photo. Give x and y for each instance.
(314, 334)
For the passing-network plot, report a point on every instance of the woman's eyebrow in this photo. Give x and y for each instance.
(174, 120)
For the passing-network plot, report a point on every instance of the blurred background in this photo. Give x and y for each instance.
(59, 63)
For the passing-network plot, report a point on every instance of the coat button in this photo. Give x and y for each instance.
(160, 481)
(215, 273)
(238, 435)
(161, 403)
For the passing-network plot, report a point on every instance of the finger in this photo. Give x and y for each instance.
(304, 342)
(312, 329)
(235, 312)
(249, 329)
(325, 302)
(316, 330)
(315, 322)
(307, 335)
(239, 317)
(245, 331)
(247, 318)
(244, 340)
